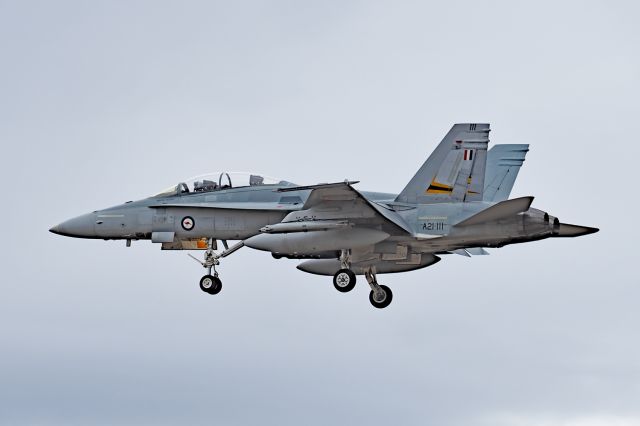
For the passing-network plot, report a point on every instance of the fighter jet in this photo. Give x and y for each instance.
(457, 203)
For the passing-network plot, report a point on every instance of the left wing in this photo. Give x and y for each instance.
(341, 201)
(349, 221)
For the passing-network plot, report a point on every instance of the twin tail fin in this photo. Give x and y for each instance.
(455, 171)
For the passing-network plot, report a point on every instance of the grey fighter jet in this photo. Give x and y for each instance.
(457, 203)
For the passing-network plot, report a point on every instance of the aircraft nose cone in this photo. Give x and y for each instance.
(79, 227)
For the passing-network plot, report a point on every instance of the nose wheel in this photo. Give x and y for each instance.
(211, 283)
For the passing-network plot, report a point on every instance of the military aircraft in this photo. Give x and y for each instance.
(457, 203)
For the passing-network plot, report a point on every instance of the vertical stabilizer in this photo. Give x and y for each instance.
(503, 165)
(455, 171)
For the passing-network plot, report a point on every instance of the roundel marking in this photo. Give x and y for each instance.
(188, 223)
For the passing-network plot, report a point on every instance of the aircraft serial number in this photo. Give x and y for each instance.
(433, 226)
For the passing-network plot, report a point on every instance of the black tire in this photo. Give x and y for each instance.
(210, 284)
(344, 280)
(384, 303)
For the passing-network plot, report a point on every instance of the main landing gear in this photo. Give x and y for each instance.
(380, 295)
(211, 283)
(345, 280)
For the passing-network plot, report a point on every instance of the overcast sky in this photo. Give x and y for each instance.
(103, 102)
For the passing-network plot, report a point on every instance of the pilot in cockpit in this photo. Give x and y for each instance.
(255, 180)
(204, 186)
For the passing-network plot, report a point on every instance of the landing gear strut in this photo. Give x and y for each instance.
(211, 283)
(381, 295)
(344, 280)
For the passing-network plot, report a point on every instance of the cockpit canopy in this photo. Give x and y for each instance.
(218, 181)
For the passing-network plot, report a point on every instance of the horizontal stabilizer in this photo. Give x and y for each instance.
(477, 251)
(461, 252)
(567, 230)
(498, 211)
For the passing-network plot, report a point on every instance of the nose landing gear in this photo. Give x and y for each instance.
(211, 283)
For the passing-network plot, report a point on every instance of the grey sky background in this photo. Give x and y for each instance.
(103, 102)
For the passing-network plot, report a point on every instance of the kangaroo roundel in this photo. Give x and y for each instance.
(188, 223)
